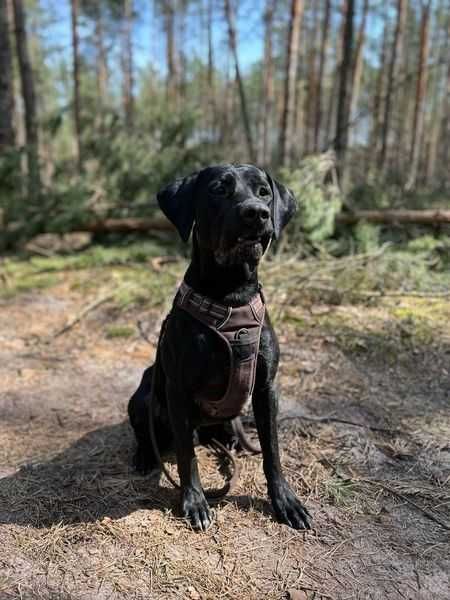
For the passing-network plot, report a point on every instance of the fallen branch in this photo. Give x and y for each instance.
(129, 225)
(332, 419)
(387, 488)
(394, 492)
(77, 318)
(377, 294)
(395, 217)
(369, 294)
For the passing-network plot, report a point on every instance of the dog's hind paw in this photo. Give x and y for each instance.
(195, 509)
(288, 508)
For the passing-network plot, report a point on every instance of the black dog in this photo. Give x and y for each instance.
(234, 211)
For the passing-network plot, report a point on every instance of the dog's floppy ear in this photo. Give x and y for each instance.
(284, 205)
(177, 203)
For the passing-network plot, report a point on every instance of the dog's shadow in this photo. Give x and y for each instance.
(91, 479)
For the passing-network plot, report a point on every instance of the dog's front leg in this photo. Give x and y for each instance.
(194, 506)
(286, 505)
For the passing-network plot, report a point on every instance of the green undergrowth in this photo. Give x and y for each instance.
(126, 272)
(119, 331)
(367, 302)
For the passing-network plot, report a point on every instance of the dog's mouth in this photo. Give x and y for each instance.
(246, 249)
(248, 242)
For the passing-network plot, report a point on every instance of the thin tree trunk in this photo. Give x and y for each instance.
(268, 87)
(29, 99)
(421, 88)
(320, 75)
(357, 71)
(211, 78)
(342, 117)
(101, 63)
(392, 78)
(312, 77)
(76, 82)
(7, 135)
(226, 105)
(437, 121)
(377, 111)
(127, 64)
(300, 118)
(332, 111)
(244, 110)
(172, 64)
(290, 80)
(446, 128)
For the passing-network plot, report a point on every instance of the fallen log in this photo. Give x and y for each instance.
(384, 217)
(395, 217)
(129, 225)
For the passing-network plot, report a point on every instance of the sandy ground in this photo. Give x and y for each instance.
(77, 523)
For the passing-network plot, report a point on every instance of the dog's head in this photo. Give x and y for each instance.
(236, 209)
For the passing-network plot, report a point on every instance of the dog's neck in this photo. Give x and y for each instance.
(232, 285)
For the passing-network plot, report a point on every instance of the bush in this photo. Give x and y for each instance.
(318, 202)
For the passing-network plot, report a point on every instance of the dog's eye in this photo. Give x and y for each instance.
(263, 191)
(218, 189)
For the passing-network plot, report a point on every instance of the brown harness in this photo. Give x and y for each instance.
(240, 329)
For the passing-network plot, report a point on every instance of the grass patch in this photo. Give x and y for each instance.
(126, 268)
(11, 286)
(119, 331)
(341, 492)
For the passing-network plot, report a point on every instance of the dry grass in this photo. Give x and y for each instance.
(77, 523)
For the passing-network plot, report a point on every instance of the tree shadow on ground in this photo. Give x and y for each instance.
(91, 479)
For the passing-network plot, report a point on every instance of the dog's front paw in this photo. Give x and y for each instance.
(288, 508)
(195, 509)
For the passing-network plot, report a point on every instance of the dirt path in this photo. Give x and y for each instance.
(77, 523)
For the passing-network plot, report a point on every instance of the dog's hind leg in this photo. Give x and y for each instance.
(138, 410)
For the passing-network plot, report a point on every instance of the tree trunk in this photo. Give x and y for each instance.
(29, 99)
(172, 63)
(268, 87)
(392, 79)
(76, 82)
(437, 122)
(312, 78)
(290, 80)
(377, 120)
(7, 136)
(244, 110)
(127, 64)
(211, 78)
(357, 71)
(446, 128)
(320, 75)
(344, 96)
(101, 63)
(332, 111)
(421, 88)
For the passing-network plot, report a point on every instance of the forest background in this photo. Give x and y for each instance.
(103, 102)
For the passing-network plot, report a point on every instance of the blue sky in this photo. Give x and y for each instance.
(149, 39)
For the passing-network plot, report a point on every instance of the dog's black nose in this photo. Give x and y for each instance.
(253, 213)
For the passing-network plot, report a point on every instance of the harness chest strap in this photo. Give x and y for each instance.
(240, 329)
